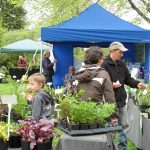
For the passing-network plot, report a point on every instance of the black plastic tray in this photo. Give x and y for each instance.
(91, 131)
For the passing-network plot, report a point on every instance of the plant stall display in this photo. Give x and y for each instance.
(75, 114)
(36, 134)
(3, 136)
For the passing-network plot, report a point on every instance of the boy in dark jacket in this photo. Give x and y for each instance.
(42, 101)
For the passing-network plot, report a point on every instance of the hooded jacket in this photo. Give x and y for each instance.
(96, 83)
(42, 105)
(119, 72)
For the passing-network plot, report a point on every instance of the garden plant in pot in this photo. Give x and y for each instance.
(82, 113)
(144, 99)
(3, 136)
(104, 113)
(36, 135)
(148, 111)
(76, 114)
(14, 139)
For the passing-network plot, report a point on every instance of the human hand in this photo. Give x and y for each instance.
(141, 86)
(116, 84)
(54, 61)
(29, 97)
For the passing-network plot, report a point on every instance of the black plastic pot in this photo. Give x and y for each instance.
(84, 127)
(100, 125)
(143, 107)
(15, 141)
(93, 126)
(63, 123)
(45, 145)
(148, 116)
(3, 145)
(25, 145)
(73, 127)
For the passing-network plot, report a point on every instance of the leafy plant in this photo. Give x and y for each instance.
(3, 73)
(83, 112)
(22, 108)
(3, 131)
(14, 127)
(36, 131)
(144, 96)
(147, 110)
(104, 110)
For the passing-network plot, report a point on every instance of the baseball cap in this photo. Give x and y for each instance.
(117, 45)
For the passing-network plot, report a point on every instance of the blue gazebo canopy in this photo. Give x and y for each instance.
(95, 24)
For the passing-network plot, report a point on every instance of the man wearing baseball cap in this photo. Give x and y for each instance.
(120, 76)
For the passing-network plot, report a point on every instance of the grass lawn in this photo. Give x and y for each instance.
(6, 90)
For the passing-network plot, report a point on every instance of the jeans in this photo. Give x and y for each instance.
(122, 120)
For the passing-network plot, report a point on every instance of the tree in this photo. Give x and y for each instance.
(143, 10)
(56, 11)
(121, 7)
(12, 14)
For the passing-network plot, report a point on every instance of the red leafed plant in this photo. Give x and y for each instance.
(36, 131)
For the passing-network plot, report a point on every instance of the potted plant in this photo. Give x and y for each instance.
(104, 112)
(14, 139)
(37, 134)
(3, 136)
(84, 114)
(148, 111)
(144, 98)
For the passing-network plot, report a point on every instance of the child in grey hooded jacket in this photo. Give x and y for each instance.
(42, 101)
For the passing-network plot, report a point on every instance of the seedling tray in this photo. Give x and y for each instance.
(90, 131)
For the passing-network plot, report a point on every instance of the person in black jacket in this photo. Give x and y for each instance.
(120, 76)
(47, 66)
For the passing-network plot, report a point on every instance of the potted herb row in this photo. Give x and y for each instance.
(86, 115)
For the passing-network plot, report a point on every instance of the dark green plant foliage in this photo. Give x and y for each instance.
(12, 15)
